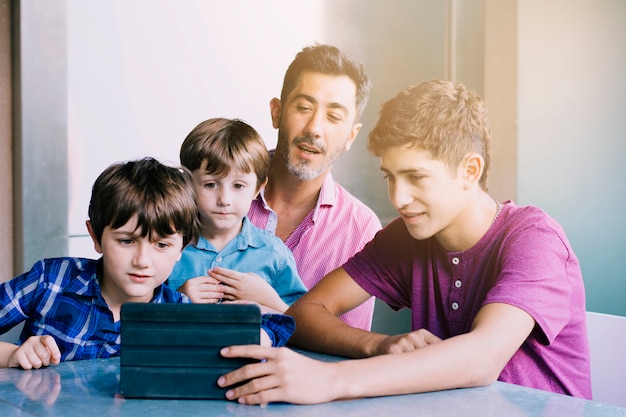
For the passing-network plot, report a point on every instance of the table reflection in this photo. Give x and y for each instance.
(90, 388)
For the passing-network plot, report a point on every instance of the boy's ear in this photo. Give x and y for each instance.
(258, 190)
(276, 107)
(353, 133)
(96, 243)
(472, 169)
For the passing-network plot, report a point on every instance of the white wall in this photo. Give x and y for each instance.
(143, 73)
(572, 131)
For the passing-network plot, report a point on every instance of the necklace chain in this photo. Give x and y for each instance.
(497, 212)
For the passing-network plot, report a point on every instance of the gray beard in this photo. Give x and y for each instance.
(302, 170)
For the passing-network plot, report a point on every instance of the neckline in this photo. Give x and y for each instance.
(499, 209)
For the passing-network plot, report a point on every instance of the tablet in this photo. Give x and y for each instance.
(172, 350)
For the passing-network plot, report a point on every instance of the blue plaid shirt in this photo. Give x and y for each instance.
(61, 297)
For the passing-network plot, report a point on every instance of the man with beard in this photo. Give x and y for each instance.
(317, 116)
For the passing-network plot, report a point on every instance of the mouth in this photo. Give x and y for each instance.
(139, 278)
(308, 149)
(309, 146)
(411, 217)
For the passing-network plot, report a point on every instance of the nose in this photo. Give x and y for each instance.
(313, 126)
(223, 197)
(399, 195)
(142, 254)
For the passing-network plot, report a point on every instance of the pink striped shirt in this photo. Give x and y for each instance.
(337, 228)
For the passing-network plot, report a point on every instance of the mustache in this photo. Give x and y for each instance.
(308, 140)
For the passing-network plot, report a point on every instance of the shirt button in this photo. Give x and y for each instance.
(458, 283)
(455, 306)
(455, 260)
(219, 259)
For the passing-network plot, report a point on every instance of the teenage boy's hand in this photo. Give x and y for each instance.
(283, 375)
(203, 290)
(407, 342)
(248, 287)
(35, 352)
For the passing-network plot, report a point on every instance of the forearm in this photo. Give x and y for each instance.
(446, 365)
(274, 303)
(467, 360)
(320, 330)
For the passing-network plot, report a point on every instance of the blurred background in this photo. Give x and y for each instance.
(87, 83)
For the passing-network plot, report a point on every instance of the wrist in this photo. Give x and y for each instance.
(341, 385)
(371, 344)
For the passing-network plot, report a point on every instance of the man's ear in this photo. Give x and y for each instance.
(472, 168)
(353, 133)
(96, 244)
(276, 108)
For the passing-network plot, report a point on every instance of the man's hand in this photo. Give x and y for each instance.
(284, 375)
(407, 342)
(203, 290)
(35, 352)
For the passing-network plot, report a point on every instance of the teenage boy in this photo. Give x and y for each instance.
(232, 259)
(141, 215)
(317, 116)
(495, 289)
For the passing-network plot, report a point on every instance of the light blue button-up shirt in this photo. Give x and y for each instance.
(252, 250)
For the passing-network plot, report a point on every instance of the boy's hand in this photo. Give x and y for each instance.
(248, 287)
(283, 375)
(35, 352)
(407, 342)
(203, 290)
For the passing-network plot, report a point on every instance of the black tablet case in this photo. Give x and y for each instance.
(172, 350)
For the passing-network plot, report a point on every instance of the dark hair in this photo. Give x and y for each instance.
(218, 145)
(441, 117)
(326, 59)
(162, 198)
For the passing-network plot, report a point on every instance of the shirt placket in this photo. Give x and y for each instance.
(456, 299)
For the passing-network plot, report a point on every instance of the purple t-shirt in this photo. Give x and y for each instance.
(524, 260)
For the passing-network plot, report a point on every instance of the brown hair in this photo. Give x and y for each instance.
(441, 117)
(329, 60)
(218, 145)
(161, 196)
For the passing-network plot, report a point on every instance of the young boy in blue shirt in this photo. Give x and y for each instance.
(232, 260)
(141, 215)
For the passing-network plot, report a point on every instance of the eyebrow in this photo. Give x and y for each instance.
(241, 176)
(406, 171)
(310, 99)
(122, 232)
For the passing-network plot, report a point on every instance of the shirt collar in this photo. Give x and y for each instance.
(328, 193)
(246, 237)
(327, 197)
(85, 282)
(243, 240)
(158, 295)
